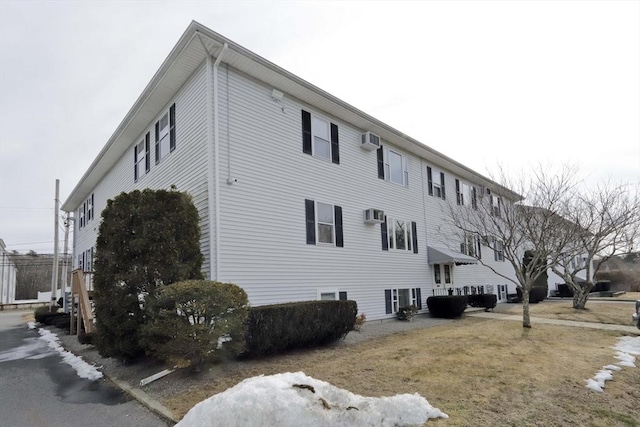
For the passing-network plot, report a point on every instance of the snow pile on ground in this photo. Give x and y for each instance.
(31, 325)
(83, 369)
(627, 347)
(295, 399)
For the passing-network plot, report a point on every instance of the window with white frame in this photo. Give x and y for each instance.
(320, 137)
(471, 245)
(331, 295)
(393, 166)
(496, 204)
(399, 234)
(82, 210)
(466, 195)
(440, 270)
(447, 273)
(323, 223)
(90, 208)
(165, 133)
(397, 298)
(435, 183)
(498, 250)
(142, 157)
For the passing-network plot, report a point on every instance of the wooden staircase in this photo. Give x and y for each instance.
(81, 296)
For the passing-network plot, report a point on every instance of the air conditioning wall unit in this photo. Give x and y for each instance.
(370, 141)
(373, 216)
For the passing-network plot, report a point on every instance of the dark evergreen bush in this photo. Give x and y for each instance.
(536, 294)
(601, 287)
(196, 321)
(47, 315)
(276, 328)
(147, 239)
(62, 322)
(86, 338)
(487, 301)
(565, 291)
(449, 306)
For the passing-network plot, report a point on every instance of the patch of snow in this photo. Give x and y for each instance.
(625, 359)
(593, 385)
(627, 347)
(31, 325)
(295, 399)
(83, 369)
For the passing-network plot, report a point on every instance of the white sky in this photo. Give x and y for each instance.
(504, 82)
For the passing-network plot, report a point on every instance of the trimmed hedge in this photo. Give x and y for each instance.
(45, 316)
(536, 294)
(488, 301)
(280, 327)
(601, 287)
(449, 307)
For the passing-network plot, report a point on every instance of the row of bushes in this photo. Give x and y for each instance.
(193, 322)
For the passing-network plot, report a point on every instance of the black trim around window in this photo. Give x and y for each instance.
(310, 216)
(306, 132)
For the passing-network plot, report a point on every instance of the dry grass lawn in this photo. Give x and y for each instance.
(481, 372)
(599, 311)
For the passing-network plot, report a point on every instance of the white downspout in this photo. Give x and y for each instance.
(214, 175)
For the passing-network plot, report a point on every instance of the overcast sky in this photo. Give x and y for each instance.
(504, 82)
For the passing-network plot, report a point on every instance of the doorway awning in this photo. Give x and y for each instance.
(447, 256)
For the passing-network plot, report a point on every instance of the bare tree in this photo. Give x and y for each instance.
(505, 224)
(602, 223)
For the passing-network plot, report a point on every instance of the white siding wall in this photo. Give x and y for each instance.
(185, 168)
(262, 211)
(263, 246)
(441, 233)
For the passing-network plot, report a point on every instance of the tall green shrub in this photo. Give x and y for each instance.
(147, 239)
(196, 321)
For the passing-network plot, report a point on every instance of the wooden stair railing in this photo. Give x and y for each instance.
(85, 313)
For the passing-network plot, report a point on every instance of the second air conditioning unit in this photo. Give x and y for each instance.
(373, 216)
(370, 141)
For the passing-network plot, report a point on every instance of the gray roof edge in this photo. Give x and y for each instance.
(186, 37)
(195, 28)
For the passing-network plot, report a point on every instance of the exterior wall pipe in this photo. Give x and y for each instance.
(216, 160)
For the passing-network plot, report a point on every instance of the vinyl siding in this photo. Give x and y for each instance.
(263, 240)
(185, 167)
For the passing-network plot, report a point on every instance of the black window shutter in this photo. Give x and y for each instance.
(135, 162)
(310, 215)
(418, 299)
(380, 154)
(337, 211)
(385, 234)
(474, 198)
(157, 142)
(172, 127)
(457, 191)
(429, 181)
(342, 296)
(442, 184)
(306, 132)
(147, 151)
(414, 236)
(387, 301)
(335, 145)
(479, 244)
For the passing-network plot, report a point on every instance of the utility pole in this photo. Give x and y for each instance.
(54, 276)
(65, 263)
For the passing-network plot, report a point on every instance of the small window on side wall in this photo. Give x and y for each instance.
(320, 138)
(323, 223)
